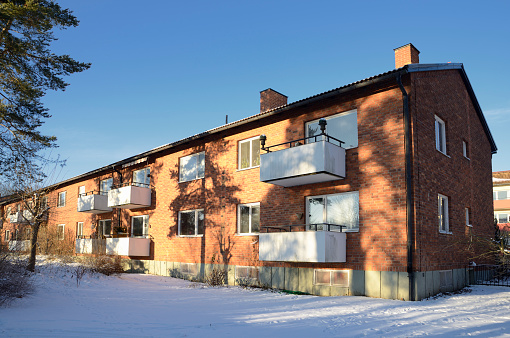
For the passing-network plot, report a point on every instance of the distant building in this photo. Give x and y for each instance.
(359, 190)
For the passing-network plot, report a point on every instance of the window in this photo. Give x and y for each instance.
(337, 209)
(61, 199)
(81, 191)
(105, 228)
(105, 186)
(247, 273)
(465, 151)
(440, 135)
(142, 177)
(331, 277)
(60, 231)
(468, 221)
(192, 167)
(9, 211)
(500, 195)
(501, 218)
(343, 126)
(7, 235)
(28, 231)
(191, 223)
(140, 226)
(442, 213)
(16, 234)
(44, 202)
(249, 153)
(79, 230)
(248, 218)
(189, 268)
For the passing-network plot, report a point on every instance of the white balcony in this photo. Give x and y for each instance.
(20, 217)
(90, 246)
(94, 204)
(19, 245)
(309, 163)
(128, 246)
(129, 197)
(303, 246)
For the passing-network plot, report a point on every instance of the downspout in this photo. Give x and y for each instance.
(119, 223)
(409, 192)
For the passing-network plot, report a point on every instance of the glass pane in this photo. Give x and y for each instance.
(255, 152)
(343, 209)
(502, 195)
(244, 219)
(245, 155)
(188, 223)
(188, 169)
(503, 218)
(343, 127)
(201, 165)
(241, 272)
(255, 218)
(494, 195)
(201, 222)
(137, 226)
(145, 225)
(315, 210)
(322, 277)
(340, 278)
(107, 227)
(148, 177)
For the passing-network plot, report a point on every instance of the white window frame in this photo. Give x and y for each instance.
(81, 191)
(249, 272)
(443, 200)
(331, 278)
(250, 166)
(7, 235)
(250, 205)
(63, 226)
(108, 183)
(197, 176)
(79, 229)
(147, 178)
(324, 217)
(196, 222)
(496, 216)
(440, 129)
(345, 113)
(497, 195)
(61, 203)
(145, 226)
(465, 149)
(468, 219)
(101, 224)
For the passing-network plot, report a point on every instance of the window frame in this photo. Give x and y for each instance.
(197, 177)
(329, 117)
(147, 177)
(239, 154)
(250, 205)
(63, 226)
(440, 216)
(79, 229)
(81, 191)
(196, 222)
(145, 226)
(101, 223)
(59, 202)
(7, 236)
(465, 149)
(105, 192)
(440, 134)
(497, 214)
(331, 277)
(468, 217)
(324, 215)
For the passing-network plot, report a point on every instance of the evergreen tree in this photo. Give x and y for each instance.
(28, 69)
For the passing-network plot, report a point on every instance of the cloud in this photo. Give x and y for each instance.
(497, 115)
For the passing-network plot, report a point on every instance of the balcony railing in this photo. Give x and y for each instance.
(130, 196)
(128, 246)
(94, 202)
(19, 245)
(89, 245)
(308, 160)
(315, 243)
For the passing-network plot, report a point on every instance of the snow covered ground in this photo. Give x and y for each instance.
(132, 305)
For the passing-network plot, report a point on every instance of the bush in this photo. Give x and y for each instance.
(216, 277)
(14, 278)
(104, 264)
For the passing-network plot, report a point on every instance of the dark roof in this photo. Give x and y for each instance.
(333, 92)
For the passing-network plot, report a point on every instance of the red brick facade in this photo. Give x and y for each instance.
(376, 169)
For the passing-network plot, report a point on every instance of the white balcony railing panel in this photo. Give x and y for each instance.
(303, 246)
(305, 164)
(128, 246)
(83, 246)
(129, 197)
(94, 204)
(19, 245)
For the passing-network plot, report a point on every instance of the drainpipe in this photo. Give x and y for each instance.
(121, 181)
(409, 182)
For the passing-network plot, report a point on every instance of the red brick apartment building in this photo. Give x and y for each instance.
(360, 190)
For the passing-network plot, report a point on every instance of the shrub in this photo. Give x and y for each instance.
(104, 264)
(14, 278)
(216, 277)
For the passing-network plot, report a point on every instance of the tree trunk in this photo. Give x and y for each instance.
(33, 246)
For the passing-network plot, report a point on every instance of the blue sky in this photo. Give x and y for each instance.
(165, 70)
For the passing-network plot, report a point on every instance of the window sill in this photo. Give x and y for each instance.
(190, 236)
(258, 166)
(469, 225)
(446, 232)
(443, 153)
(248, 234)
(195, 179)
(467, 158)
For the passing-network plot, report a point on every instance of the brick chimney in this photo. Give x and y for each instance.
(270, 99)
(405, 55)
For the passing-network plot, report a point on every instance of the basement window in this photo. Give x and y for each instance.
(189, 269)
(331, 277)
(247, 273)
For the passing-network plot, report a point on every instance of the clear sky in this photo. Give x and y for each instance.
(165, 70)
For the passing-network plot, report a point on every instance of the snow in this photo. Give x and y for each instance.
(134, 305)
